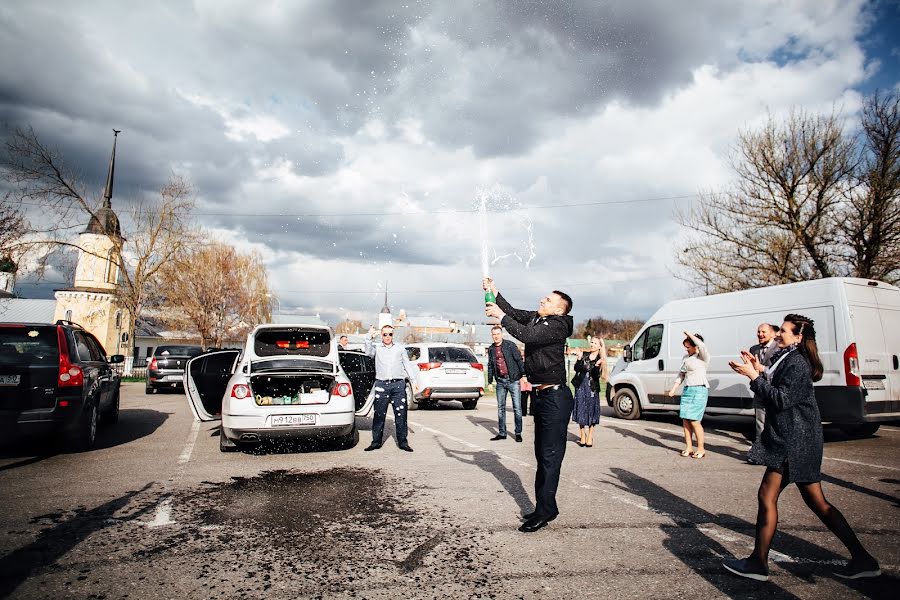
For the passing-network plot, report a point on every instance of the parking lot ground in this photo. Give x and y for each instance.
(158, 511)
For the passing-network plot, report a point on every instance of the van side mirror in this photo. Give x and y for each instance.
(117, 358)
(627, 355)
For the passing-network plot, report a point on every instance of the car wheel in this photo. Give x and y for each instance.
(861, 430)
(85, 436)
(411, 402)
(226, 445)
(349, 440)
(112, 415)
(626, 404)
(469, 404)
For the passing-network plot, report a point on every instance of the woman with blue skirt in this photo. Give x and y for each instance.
(695, 393)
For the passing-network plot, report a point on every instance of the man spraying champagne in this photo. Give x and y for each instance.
(544, 333)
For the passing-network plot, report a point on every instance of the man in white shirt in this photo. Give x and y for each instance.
(391, 373)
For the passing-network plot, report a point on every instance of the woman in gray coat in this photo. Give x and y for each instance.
(791, 447)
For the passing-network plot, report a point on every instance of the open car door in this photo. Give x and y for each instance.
(205, 379)
(360, 370)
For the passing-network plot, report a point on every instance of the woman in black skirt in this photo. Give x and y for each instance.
(791, 447)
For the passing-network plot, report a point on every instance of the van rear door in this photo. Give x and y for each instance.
(889, 311)
(874, 361)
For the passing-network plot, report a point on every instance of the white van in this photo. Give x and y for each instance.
(857, 331)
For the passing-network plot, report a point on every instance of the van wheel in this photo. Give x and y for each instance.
(469, 404)
(226, 445)
(626, 404)
(411, 403)
(86, 435)
(862, 430)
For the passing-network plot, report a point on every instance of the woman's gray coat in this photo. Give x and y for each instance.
(792, 436)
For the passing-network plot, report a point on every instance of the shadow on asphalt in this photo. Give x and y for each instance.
(687, 541)
(54, 542)
(490, 463)
(134, 424)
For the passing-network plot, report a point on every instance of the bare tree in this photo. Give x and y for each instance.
(13, 227)
(153, 232)
(349, 326)
(785, 218)
(871, 219)
(216, 292)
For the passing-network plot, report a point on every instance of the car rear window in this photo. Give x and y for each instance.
(28, 345)
(451, 354)
(178, 351)
(292, 342)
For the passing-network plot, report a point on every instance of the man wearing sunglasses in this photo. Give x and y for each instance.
(391, 372)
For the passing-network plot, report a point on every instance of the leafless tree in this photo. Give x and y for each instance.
(154, 232)
(349, 326)
(871, 219)
(216, 292)
(808, 202)
(12, 230)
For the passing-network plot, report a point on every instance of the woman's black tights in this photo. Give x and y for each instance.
(767, 515)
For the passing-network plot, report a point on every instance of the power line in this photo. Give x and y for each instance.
(427, 212)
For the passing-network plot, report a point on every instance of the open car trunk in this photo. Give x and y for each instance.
(291, 388)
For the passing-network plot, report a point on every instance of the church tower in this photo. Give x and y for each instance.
(384, 318)
(91, 301)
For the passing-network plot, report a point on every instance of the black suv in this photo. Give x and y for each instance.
(56, 378)
(166, 367)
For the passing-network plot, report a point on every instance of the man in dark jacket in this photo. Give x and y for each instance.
(544, 333)
(505, 365)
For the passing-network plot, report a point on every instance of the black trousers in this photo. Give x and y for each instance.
(552, 410)
(523, 398)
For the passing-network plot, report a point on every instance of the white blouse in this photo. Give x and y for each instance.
(693, 368)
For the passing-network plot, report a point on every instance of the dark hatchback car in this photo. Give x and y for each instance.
(56, 379)
(166, 367)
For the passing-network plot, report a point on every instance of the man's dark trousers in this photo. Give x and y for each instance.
(552, 410)
(393, 391)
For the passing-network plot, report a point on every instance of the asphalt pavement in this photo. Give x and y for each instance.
(156, 510)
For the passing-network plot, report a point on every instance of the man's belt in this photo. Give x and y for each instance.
(390, 380)
(546, 386)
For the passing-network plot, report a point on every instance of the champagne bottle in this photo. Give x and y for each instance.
(489, 297)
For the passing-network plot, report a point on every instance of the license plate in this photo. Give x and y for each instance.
(456, 371)
(873, 384)
(287, 420)
(9, 379)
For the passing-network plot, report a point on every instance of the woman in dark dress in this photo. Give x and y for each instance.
(791, 447)
(586, 411)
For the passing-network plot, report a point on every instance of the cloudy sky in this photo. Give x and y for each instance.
(351, 143)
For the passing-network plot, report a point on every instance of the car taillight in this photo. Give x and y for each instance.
(428, 366)
(427, 392)
(69, 375)
(341, 389)
(153, 365)
(240, 391)
(851, 366)
(477, 365)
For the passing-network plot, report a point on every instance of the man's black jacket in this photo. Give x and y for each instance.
(544, 338)
(513, 359)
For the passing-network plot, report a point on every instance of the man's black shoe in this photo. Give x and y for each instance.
(372, 446)
(518, 437)
(746, 567)
(530, 516)
(406, 448)
(498, 437)
(535, 523)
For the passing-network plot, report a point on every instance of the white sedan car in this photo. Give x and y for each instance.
(446, 372)
(288, 382)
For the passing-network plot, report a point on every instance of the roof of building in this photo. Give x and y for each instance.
(21, 310)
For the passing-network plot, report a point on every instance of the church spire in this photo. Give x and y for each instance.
(385, 309)
(108, 191)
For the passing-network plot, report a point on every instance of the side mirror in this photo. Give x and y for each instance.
(627, 355)
(117, 358)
